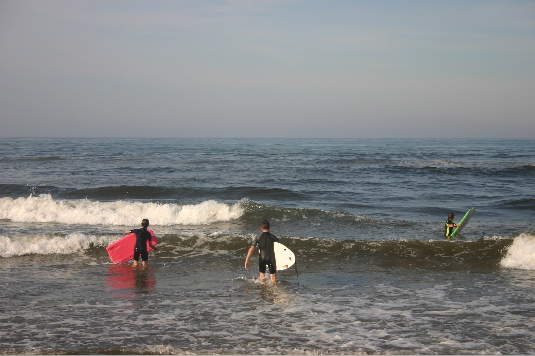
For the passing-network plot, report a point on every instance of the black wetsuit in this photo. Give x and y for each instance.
(267, 256)
(140, 249)
(448, 231)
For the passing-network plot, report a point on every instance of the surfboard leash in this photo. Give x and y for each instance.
(297, 275)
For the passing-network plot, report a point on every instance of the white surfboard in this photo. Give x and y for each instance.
(284, 257)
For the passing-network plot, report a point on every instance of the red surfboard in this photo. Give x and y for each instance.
(122, 251)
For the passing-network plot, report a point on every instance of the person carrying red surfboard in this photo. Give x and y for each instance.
(140, 248)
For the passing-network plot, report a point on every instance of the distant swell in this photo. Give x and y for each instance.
(521, 204)
(179, 193)
(153, 192)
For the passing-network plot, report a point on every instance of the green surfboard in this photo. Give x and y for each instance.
(464, 221)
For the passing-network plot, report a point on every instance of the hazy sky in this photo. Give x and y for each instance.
(267, 68)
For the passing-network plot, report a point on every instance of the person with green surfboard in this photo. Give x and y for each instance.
(450, 225)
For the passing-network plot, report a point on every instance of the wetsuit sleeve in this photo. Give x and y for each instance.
(255, 241)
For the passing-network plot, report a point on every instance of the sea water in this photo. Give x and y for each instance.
(365, 218)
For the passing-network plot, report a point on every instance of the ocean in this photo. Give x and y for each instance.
(374, 273)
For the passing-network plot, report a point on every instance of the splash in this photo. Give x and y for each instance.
(45, 209)
(521, 254)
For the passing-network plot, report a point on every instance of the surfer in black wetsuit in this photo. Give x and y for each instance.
(450, 225)
(140, 249)
(266, 259)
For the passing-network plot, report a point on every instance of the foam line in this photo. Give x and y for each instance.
(45, 209)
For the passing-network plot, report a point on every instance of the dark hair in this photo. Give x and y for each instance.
(264, 225)
(450, 216)
(145, 223)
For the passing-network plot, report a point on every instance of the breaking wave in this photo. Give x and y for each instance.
(45, 209)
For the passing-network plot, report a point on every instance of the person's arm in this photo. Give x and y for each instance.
(249, 254)
(150, 242)
(151, 245)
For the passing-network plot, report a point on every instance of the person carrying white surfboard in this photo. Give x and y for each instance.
(266, 258)
(140, 249)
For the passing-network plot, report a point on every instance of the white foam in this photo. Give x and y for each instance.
(45, 209)
(521, 254)
(47, 244)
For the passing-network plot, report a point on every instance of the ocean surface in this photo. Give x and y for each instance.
(365, 218)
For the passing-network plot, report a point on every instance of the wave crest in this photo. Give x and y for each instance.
(50, 245)
(521, 253)
(45, 209)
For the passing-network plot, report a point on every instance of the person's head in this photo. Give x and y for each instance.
(145, 223)
(450, 216)
(264, 225)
